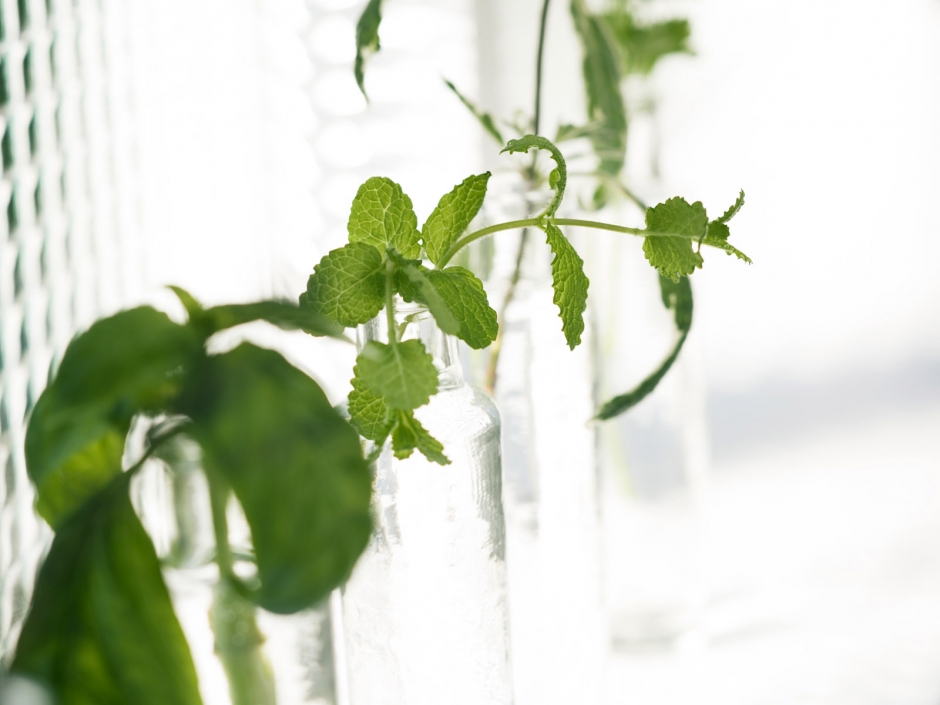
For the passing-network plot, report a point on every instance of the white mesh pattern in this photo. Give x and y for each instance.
(60, 263)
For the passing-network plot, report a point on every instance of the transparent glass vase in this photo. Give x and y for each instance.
(654, 457)
(425, 612)
(244, 655)
(545, 394)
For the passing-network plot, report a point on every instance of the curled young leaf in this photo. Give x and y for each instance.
(557, 179)
(382, 216)
(452, 215)
(102, 628)
(348, 285)
(570, 284)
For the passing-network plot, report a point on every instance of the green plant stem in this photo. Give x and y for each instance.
(390, 301)
(491, 371)
(538, 68)
(539, 222)
(238, 640)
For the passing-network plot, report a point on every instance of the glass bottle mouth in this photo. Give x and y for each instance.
(413, 321)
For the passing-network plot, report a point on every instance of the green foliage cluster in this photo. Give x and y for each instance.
(616, 43)
(385, 257)
(102, 628)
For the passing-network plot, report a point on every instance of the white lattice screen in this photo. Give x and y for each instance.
(67, 238)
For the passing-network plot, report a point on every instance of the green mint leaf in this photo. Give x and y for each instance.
(101, 628)
(602, 82)
(367, 39)
(382, 216)
(295, 466)
(485, 119)
(368, 413)
(120, 366)
(283, 314)
(464, 295)
(642, 46)
(718, 231)
(420, 288)
(733, 209)
(403, 374)
(557, 179)
(568, 132)
(409, 435)
(677, 296)
(453, 214)
(570, 285)
(673, 256)
(348, 285)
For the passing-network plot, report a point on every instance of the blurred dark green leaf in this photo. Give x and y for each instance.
(122, 365)
(367, 39)
(677, 297)
(643, 45)
(294, 464)
(484, 118)
(101, 629)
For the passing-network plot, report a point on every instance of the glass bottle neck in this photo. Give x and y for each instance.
(415, 322)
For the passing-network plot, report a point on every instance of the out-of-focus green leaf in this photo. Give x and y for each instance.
(295, 466)
(643, 45)
(101, 629)
(602, 83)
(484, 118)
(122, 365)
(348, 284)
(367, 39)
(677, 296)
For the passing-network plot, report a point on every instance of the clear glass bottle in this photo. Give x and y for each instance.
(243, 654)
(425, 612)
(545, 393)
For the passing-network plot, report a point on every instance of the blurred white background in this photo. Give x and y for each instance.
(822, 360)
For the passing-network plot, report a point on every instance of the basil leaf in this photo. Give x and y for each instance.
(122, 365)
(294, 464)
(101, 629)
